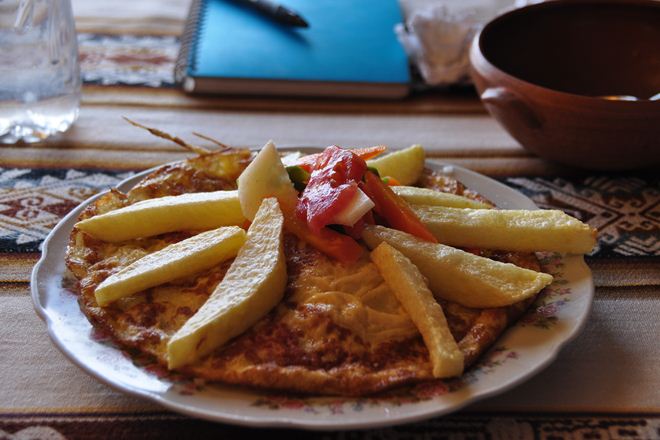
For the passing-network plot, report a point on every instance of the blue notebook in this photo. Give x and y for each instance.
(350, 49)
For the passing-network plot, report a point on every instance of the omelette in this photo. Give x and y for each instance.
(339, 329)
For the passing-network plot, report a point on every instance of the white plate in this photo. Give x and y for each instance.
(521, 352)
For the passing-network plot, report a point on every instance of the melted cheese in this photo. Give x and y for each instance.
(356, 298)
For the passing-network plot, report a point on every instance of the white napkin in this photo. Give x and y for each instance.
(438, 33)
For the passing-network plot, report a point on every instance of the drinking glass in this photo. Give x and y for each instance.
(39, 71)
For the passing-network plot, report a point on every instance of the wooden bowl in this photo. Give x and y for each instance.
(543, 72)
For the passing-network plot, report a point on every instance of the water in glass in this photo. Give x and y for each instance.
(39, 72)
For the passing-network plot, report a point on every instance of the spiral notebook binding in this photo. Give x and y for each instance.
(187, 53)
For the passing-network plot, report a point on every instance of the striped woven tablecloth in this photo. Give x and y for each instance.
(605, 384)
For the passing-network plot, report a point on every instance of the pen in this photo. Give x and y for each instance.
(277, 12)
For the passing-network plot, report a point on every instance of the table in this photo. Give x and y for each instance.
(605, 384)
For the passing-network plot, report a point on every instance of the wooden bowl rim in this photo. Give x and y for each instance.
(477, 56)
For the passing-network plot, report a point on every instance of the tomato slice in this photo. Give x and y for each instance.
(394, 209)
(338, 246)
(323, 202)
(308, 163)
(340, 165)
(332, 185)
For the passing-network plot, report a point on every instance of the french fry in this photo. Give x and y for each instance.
(151, 217)
(407, 283)
(425, 196)
(460, 276)
(178, 260)
(512, 230)
(253, 285)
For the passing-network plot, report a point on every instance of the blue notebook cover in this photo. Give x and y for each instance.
(350, 48)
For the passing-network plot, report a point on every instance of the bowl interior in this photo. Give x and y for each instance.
(591, 48)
